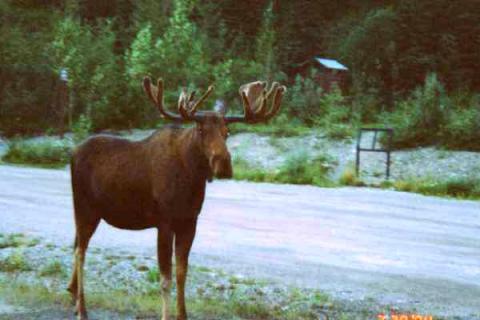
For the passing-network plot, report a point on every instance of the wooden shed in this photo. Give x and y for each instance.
(329, 72)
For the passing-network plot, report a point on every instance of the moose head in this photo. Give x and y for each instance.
(211, 130)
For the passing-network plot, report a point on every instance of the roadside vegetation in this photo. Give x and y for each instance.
(297, 169)
(15, 240)
(467, 188)
(50, 154)
(462, 188)
(127, 286)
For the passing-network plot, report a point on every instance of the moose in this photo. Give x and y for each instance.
(159, 182)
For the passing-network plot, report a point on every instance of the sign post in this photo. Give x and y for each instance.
(387, 149)
(63, 99)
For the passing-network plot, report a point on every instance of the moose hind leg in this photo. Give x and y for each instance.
(184, 236)
(72, 287)
(164, 252)
(84, 233)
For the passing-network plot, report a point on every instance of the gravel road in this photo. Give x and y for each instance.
(410, 251)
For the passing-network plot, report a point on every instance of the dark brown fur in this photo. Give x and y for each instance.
(158, 182)
(155, 183)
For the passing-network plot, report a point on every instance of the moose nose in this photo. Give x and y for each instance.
(222, 166)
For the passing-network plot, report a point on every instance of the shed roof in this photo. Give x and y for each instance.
(331, 64)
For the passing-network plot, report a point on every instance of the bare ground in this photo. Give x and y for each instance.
(406, 250)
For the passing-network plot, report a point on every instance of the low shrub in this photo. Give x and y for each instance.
(462, 130)
(336, 120)
(44, 154)
(297, 169)
(243, 170)
(303, 99)
(300, 169)
(349, 177)
(418, 119)
(430, 117)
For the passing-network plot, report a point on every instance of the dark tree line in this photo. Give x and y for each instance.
(389, 46)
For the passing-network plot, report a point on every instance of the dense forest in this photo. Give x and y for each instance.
(413, 64)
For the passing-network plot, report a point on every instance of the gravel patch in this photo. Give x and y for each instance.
(421, 163)
(109, 271)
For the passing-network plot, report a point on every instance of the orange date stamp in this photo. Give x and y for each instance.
(404, 316)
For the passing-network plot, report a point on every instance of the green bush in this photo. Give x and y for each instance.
(303, 100)
(420, 119)
(81, 129)
(297, 169)
(242, 170)
(336, 119)
(300, 169)
(429, 117)
(308, 104)
(45, 153)
(462, 130)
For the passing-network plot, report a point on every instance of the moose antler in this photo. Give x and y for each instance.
(187, 107)
(254, 98)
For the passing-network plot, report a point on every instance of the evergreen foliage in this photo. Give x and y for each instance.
(408, 59)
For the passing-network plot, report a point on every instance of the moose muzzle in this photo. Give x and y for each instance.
(221, 166)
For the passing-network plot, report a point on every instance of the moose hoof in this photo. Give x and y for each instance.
(82, 316)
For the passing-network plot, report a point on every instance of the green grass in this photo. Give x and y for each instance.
(297, 169)
(26, 294)
(53, 268)
(465, 188)
(44, 154)
(15, 262)
(152, 275)
(461, 188)
(16, 240)
(234, 305)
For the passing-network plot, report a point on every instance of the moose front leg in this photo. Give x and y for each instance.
(164, 253)
(184, 235)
